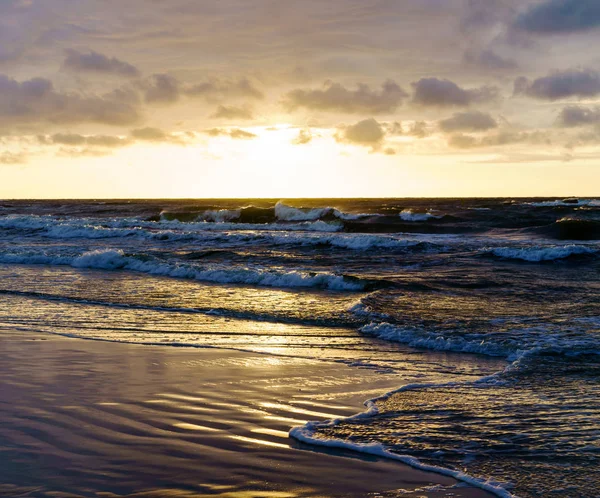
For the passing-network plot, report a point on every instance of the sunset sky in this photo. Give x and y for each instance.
(277, 98)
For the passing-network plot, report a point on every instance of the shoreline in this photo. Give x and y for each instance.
(87, 417)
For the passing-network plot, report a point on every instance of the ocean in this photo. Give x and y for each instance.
(354, 281)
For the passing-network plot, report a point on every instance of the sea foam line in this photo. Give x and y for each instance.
(111, 259)
(305, 433)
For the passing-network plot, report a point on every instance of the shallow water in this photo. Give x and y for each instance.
(362, 282)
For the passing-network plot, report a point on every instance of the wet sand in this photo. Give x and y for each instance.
(89, 418)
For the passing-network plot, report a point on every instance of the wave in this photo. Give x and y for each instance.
(538, 254)
(288, 213)
(409, 215)
(307, 433)
(107, 228)
(532, 352)
(512, 346)
(569, 228)
(430, 340)
(570, 202)
(315, 234)
(254, 214)
(221, 215)
(111, 259)
(266, 316)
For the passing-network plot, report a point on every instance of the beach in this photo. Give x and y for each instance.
(92, 418)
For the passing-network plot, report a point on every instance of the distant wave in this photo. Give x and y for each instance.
(409, 215)
(111, 259)
(108, 228)
(566, 203)
(309, 233)
(253, 214)
(539, 254)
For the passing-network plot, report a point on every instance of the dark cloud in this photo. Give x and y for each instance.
(337, 98)
(36, 101)
(468, 121)
(367, 133)
(560, 16)
(162, 89)
(232, 112)
(218, 89)
(434, 92)
(488, 59)
(573, 115)
(234, 133)
(95, 62)
(560, 84)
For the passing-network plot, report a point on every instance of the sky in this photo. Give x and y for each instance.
(312, 98)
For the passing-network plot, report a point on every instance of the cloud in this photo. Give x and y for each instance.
(501, 138)
(219, 89)
(232, 112)
(162, 89)
(418, 129)
(572, 116)
(560, 84)
(35, 101)
(304, 136)
(234, 133)
(434, 92)
(82, 152)
(560, 16)
(366, 133)
(155, 135)
(73, 139)
(13, 158)
(337, 98)
(488, 59)
(468, 121)
(95, 62)
(165, 89)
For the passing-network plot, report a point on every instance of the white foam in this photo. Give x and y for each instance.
(306, 434)
(288, 213)
(562, 203)
(111, 259)
(417, 338)
(221, 215)
(410, 215)
(536, 254)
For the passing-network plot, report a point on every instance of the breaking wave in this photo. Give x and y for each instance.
(111, 259)
(409, 215)
(540, 254)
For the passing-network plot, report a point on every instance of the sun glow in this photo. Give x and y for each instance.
(270, 162)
